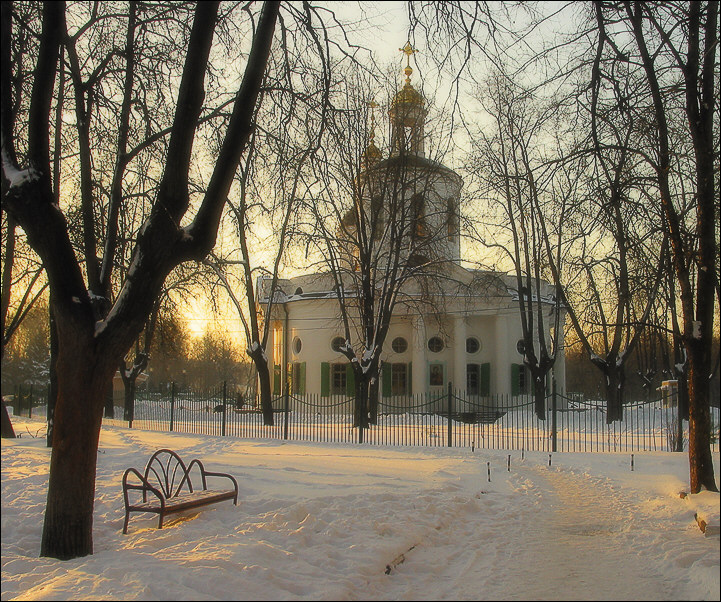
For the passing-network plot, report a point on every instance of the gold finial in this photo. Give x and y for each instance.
(409, 51)
(372, 153)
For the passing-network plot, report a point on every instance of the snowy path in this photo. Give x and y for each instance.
(321, 522)
(568, 540)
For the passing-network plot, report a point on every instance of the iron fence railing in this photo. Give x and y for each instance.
(449, 419)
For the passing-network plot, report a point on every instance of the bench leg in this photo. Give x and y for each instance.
(125, 523)
(160, 520)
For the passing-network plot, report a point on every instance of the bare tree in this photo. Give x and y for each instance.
(676, 46)
(91, 344)
(384, 224)
(517, 184)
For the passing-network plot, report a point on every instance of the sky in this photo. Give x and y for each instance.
(349, 522)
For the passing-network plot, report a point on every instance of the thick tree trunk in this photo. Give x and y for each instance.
(7, 426)
(373, 400)
(699, 424)
(67, 531)
(614, 394)
(361, 418)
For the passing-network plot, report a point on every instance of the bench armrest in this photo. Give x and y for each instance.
(205, 473)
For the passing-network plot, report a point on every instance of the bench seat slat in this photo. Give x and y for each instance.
(186, 500)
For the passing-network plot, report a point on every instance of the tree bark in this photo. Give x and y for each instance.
(67, 530)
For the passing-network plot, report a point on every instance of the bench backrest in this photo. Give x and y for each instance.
(169, 471)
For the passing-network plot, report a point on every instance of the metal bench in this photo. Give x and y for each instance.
(167, 487)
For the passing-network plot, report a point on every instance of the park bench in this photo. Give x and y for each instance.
(168, 486)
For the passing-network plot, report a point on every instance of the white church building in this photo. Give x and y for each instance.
(467, 333)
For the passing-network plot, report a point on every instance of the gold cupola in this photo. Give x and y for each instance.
(408, 113)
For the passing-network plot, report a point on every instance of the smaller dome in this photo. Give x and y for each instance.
(372, 154)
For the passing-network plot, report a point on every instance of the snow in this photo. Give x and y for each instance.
(17, 177)
(318, 521)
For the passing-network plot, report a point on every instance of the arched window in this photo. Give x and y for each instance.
(451, 216)
(418, 216)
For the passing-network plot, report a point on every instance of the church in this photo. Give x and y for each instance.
(449, 325)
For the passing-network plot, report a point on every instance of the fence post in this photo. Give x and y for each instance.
(286, 409)
(554, 429)
(172, 404)
(361, 398)
(450, 414)
(225, 397)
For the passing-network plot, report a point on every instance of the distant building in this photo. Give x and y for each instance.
(469, 333)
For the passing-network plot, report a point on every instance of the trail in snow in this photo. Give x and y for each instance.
(565, 541)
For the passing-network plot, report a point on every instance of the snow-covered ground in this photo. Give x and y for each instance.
(327, 521)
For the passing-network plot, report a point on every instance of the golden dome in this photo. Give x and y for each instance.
(408, 95)
(372, 153)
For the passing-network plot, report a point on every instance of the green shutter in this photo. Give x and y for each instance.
(485, 379)
(387, 384)
(276, 379)
(349, 380)
(301, 378)
(324, 379)
(515, 379)
(410, 378)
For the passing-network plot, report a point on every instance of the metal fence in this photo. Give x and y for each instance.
(451, 419)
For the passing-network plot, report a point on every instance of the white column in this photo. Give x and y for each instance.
(418, 357)
(501, 364)
(459, 352)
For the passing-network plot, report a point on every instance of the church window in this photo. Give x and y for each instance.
(473, 379)
(418, 216)
(451, 217)
(435, 344)
(399, 379)
(337, 344)
(338, 379)
(297, 378)
(473, 345)
(478, 379)
(399, 345)
(297, 344)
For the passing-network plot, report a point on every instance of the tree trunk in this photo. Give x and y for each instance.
(266, 398)
(129, 401)
(361, 403)
(67, 531)
(614, 393)
(699, 423)
(53, 388)
(373, 400)
(7, 426)
(539, 394)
